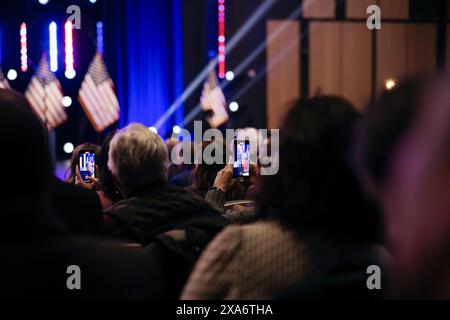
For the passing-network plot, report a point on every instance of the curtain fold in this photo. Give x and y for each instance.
(146, 39)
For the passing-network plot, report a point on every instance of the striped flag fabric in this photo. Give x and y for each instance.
(3, 82)
(45, 96)
(213, 101)
(97, 96)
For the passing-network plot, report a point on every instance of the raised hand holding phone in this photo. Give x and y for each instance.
(224, 178)
(93, 184)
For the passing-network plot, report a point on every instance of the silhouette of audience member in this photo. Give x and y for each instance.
(406, 151)
(36, 249)
(314, 218)
(74, 169)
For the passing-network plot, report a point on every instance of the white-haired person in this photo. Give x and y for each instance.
(138, 160)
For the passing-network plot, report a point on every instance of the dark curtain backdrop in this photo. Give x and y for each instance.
(144, 51)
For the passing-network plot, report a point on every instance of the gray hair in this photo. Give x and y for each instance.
(137, 158)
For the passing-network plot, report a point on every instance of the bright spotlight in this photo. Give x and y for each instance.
(92, 1)
(12, 74)
(234, 106)
(176, 129)
(66, 101)
(229, 75)
(153, 129)
(43, 2)
(68, 147)
(390, 84)
(251, 73)
(70, 74)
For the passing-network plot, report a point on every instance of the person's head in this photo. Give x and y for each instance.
(137, 159)
(25, 162)
(406, 153)
(75, 158)
(315, 189)
(26, 169)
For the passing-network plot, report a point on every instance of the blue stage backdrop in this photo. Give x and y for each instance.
(144, 49)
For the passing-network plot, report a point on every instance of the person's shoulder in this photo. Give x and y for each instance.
(263, 228)
(237, 234)
(124, 207)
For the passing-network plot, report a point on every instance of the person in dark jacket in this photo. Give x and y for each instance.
(138, 162)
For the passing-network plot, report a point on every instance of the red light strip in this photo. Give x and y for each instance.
(70, 71)
(23, 47)
(221, 38)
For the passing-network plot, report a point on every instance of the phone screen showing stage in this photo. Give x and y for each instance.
(87, 165)
(241, 166)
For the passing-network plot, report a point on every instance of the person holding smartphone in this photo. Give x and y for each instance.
(83, 169)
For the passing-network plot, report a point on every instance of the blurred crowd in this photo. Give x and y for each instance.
(352, 191)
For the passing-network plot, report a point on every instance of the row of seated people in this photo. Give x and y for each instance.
(352, 191)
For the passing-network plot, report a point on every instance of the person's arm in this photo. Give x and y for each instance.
(94, 182)
(216, 195)
(105, 201)
(216, 198)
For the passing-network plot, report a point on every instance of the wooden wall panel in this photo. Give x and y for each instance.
(283, 73)
(405, 51)
(324, 58)
(390, 9)
(358, 8)
(319, 8)
(340, 61)
(394, 9)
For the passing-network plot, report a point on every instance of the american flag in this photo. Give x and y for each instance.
(97, 96)
(3, 82)
(45, 96)
(213, 101)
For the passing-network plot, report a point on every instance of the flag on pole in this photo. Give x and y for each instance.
(213, 100)
(45, 96)
(97, 96)
(3, 82)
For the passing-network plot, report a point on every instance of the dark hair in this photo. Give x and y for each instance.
(26, 171)
(106, 180)
(25, 161)
(315, 189)
(387, 119)
(203, 175)
(76, 154)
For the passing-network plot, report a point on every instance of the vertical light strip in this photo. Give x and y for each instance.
(23, 47)
(100, 37)
(70, 71)
(53, 47)
(221, 39)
